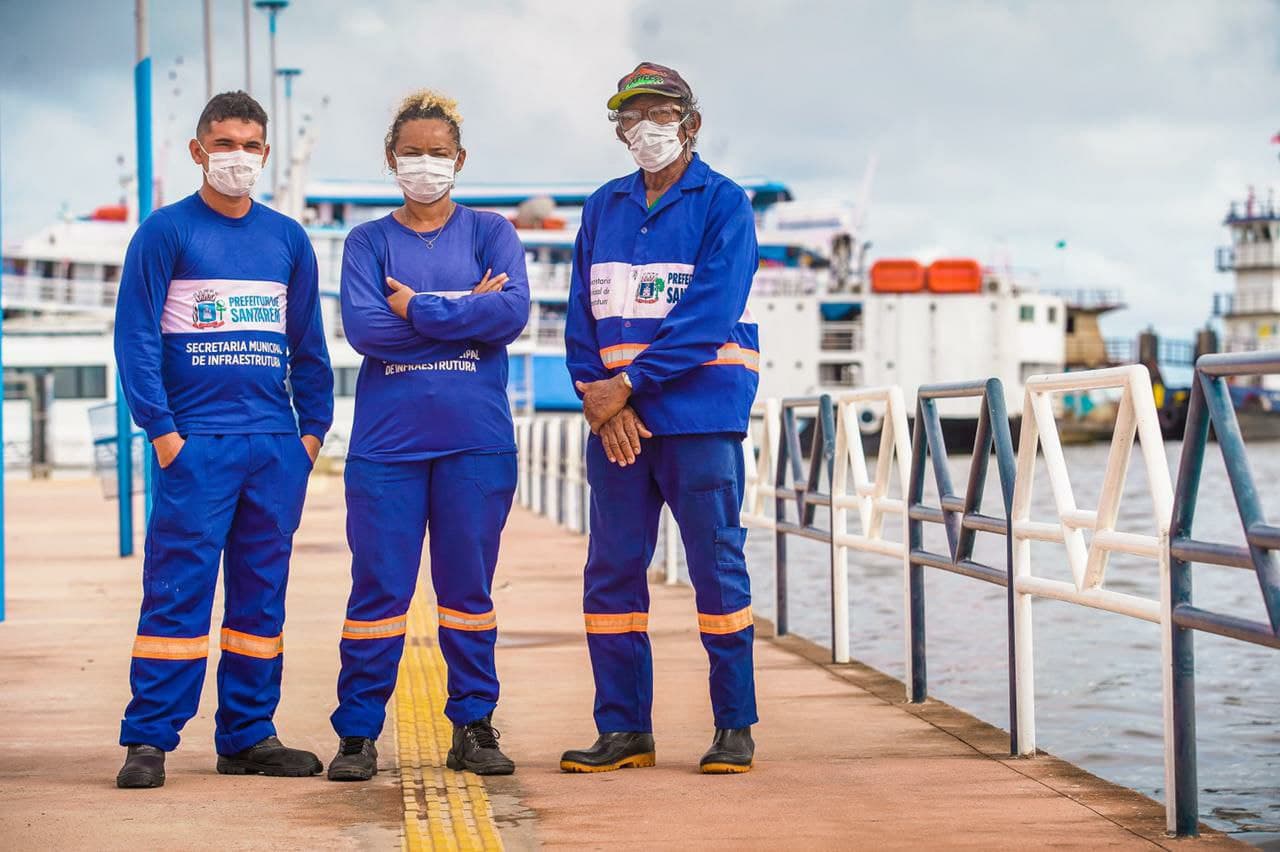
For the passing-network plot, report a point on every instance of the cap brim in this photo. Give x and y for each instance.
(618, 99)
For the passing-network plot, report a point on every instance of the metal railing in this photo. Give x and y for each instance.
(960, 516)
(1210, 404)
(777, 477)
(553, 481)
(1136, 417)
(806, 454)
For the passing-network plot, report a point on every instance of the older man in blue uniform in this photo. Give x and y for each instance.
(666, 358)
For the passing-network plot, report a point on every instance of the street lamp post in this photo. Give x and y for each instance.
(287, 74)
(273, 8)
(248, 50)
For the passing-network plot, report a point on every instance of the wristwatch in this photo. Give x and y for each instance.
(626, 380)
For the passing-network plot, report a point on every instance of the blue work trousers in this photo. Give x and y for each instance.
(463, 500)
(235, 499)
(701, 478)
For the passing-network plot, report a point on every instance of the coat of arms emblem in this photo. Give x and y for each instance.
(208, 310)
(651, 287)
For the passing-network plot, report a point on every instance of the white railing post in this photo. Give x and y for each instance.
(1022, 622)
(671, 543)
(522, 460)
(840, 526)
(538, 478)
(869, 496)
(1136, 418)
(573, 507)
(553, 467)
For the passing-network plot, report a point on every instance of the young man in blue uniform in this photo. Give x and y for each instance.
(666, 358)
(221, 351)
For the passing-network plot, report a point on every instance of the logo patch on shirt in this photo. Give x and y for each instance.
(651, 287)
(224, 306)
(208, 310)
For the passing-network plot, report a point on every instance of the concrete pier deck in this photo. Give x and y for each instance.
(842, 763)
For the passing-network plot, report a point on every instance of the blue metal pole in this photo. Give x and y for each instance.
(919, 685)
(124, 421)
(1185, 792)
(780, 514)
(2, 555)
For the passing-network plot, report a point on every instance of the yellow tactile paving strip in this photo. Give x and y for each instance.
(443, 809)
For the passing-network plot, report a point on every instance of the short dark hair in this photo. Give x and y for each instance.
(235, 104)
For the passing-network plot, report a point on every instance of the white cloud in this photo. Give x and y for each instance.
(1124, 128)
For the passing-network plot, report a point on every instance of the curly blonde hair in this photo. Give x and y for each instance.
(425, 103)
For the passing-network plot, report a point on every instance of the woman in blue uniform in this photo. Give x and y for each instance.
(432, 294)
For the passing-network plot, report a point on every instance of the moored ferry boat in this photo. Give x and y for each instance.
(828, 322)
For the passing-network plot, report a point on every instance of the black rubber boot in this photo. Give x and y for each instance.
(270, 757)
(475, 747)
(143, 767)
(615, 750)
(356, 760)
(731, 751)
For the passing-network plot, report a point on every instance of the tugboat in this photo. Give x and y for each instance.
(1250, 315)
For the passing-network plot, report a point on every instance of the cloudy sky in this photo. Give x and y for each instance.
(1121, 126)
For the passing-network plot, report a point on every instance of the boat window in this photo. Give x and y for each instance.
(85, 272)
(839, 375)
(1032, 368)
(344, 380)
(69, 382)
(1071, 324)
(1053, 313)
(1027, 313)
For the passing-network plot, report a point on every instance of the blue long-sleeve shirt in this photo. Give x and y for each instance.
(436, 383)
(213, 315)
(661, 292)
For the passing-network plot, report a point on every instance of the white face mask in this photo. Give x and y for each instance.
(425, 178)
(654, 146)
(233, 172)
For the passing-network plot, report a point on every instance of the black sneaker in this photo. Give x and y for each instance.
(732, 750)
(356, 760)
(475, 747)
(270, 757)
(143, 767)
(615, 750)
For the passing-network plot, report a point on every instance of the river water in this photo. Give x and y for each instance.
(1098, 701)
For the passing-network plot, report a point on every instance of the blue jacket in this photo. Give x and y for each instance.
(662, 293)
(213, 315)
(436, 383)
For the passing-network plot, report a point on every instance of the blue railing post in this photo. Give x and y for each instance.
(996, 418)
(960, 516)
(1185, 794)
(1211, 405)
(124, 422)
(915, 571)
(2, 506)
(780, 515)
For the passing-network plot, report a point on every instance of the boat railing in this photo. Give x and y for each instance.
(549, 279)
(37, 293)
(790, 281)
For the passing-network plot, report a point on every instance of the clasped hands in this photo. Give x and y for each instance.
(402, 294)
(604, 403)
